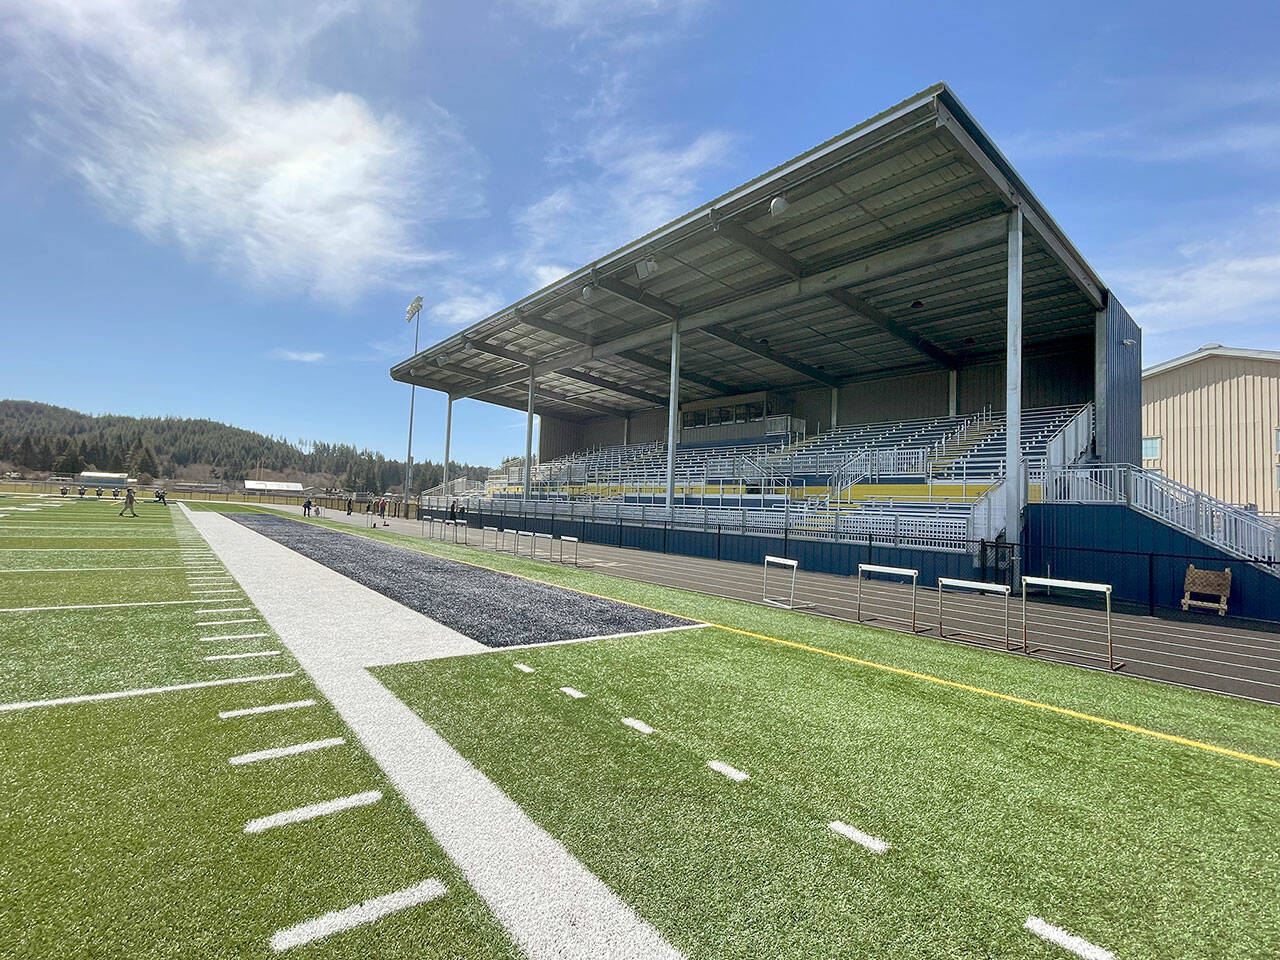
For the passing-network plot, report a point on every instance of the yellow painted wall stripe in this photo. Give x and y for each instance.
(903, 671)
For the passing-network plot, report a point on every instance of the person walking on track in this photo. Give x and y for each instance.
(128, 504)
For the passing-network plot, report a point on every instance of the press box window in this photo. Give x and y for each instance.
(1150, 448)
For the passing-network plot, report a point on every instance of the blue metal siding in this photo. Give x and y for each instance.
(1123, 407)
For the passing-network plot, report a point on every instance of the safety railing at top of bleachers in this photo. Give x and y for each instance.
(1072, 440)
(1233, 529)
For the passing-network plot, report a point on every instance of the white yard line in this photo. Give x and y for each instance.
(524, 668)
(237, 636)
(101, 606)
(874, 844)
(89, 549)
(1067, 941)
(222, 609)
(84, 569)
(571, 692)
(218, 623)
(142, 692)
(242, 656)
(217, 590)
(640, 725)
(275, 753)
(733, 773)
(267, 708)
(360, 914)
(552, 906)
(313, 810)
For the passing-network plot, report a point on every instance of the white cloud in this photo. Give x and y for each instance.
(627, 184)
(462, 309)
(207, 133)
(1216, 285)
(580, 13)
(298, 356)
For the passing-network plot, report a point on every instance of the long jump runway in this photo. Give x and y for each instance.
(552, 906)
(494, 608)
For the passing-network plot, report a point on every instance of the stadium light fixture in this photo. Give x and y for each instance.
(1129, 341)
(778, 206)
(588, 291)
(647, 267)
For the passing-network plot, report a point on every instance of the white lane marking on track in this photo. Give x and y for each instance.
(237, 636)
(136, 603)
(733, 773)
(523, 667)
(243, 656)
(312, 810)
(1067, 941)
(275, 753)
(217, 623)
(874, 844)
(267, 708)
(571, 692)
(144, 691)
(635, 724)
(361, 913)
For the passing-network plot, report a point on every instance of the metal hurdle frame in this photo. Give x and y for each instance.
(790, 603)
(1000, 588)
(889, 571)
(574, 541)
(484, 537)
(526, 534)
(550, 546)
(1083, 585)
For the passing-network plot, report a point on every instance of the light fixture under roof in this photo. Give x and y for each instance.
(647, 267)
(588, 291)
(778, 206)
(917, 304)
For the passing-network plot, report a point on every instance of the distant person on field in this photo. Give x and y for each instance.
(64, 491)
(462, 512)
(453, 511)
(128, 504)
(99, 493)
(115, 494)
(350, 506)
(306, 507)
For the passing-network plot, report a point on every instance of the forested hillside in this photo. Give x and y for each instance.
(38, 438)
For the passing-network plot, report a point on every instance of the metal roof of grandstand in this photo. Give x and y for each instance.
(881, 251)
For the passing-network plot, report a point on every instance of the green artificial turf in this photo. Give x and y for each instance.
(123, 821)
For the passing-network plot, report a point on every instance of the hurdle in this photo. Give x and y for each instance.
(978, 585)
(889, 572)
(484, 536)
(550, 545)
(528, 534)
(574, 541)
(789, 602)
(1080, 585)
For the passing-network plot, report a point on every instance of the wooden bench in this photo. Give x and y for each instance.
(1207, 583)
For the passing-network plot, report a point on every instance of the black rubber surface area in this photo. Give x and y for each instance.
(494, 608)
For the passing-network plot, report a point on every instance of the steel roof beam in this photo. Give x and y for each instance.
(951, 243)
(788, 264)
(581, 377)
(764, 350)
(619, 288)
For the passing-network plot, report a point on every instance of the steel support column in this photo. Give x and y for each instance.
(1014, 491)
(528, 442)
(448, 436)
(673, 415)
(952, 384)
(835, 407)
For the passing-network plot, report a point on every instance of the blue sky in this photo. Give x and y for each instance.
(221, 209)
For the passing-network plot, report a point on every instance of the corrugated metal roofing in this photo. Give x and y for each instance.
(889, 256)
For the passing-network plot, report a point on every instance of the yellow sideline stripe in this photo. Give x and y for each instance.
(901, 671)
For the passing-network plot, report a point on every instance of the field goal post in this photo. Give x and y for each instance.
(787, 602)
(977, 586)
(1083, 586)
(905, 572)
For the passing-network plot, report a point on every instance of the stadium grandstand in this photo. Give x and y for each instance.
(885, 344)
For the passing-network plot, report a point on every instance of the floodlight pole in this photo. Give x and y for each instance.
(1013, 478)
(414, 313)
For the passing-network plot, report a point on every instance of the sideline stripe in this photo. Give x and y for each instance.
(99, 606)
(277, 752)
(901, 671)
(635, 724)
(1067, 941)
(733, 773)
(874, 844)
(362, 913)
(243, 656)
(571, 692)
(311, 811)
(83, 569)
(269, 708)
(145, 691)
